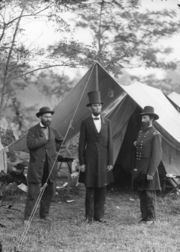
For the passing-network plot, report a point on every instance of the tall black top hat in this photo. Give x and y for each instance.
(94, 98)
(148, 110)
(44, 110)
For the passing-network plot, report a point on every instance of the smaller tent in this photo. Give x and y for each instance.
(168, 124)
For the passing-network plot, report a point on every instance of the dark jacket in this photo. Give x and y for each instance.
(148, 157)
(39, 147)
(96, 152)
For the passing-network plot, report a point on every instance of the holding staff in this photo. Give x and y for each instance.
(43, 142)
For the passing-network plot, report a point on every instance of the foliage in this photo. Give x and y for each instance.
(123, 36)
(15, 56)
(7, 136)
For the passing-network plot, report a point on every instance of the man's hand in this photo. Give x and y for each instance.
(109, 167)
(6, 148)
(135, 143)
(82, 168)
(149, 177)
(74, 175)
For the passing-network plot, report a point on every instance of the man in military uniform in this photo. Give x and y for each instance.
(148, 157)
(95, 158)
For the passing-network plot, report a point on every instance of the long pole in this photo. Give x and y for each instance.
(27, 227)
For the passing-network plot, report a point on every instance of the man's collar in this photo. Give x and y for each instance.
(42, 125)
(147, 128)
(98, 116)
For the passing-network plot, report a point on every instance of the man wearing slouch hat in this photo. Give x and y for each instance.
(148, 157)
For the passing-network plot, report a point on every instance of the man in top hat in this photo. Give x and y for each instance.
(95, 158)
(42, 142)
(148, 158)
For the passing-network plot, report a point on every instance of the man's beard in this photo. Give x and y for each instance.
(145, 125)
(46, 123)
(96, 113)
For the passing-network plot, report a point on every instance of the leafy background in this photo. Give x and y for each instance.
(127, 37)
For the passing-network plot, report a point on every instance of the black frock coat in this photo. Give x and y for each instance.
(96, 152)
(40, 148)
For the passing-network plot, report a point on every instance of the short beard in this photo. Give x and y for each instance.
(96, 113)
(145, 125)
(46, 123)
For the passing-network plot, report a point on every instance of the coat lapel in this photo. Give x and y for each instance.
(92, 125)
(103, 124)
(40, 131)
(38, 128)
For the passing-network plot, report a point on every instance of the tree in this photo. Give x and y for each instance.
(52, 84)
(16, 71)
(15, 56)
(123, 36)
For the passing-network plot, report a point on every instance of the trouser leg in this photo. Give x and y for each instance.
(45, 171)
(143, 208)
(48, 192)
(150, 205)
(33, 192)
(99, 202)
(89, 203)
(46, 200)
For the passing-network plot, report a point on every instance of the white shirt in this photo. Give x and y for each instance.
(97, 123)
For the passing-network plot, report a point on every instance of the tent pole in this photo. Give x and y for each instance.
(97, 77)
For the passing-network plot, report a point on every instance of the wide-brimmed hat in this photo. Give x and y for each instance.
(44, 110)
(148, 110)
(94, 98)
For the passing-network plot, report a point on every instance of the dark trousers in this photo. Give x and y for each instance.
(94, 203)
(33, 192)
(147, 205)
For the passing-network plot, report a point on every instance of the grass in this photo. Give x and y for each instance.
(68, 231)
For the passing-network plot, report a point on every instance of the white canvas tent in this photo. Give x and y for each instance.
(168, 123)
(175, 99)
(122, 105)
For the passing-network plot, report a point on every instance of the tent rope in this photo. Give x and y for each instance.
(29, 221)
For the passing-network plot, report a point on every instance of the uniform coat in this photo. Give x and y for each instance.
(39, 147)
(148, 157)
(96, 152)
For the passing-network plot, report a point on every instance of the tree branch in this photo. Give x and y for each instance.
(28, 15)
(99, 35)
(8, 62)
(3, 31)
(46, 67)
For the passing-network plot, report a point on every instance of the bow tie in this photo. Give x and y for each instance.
(43, 127)
(96, 118)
